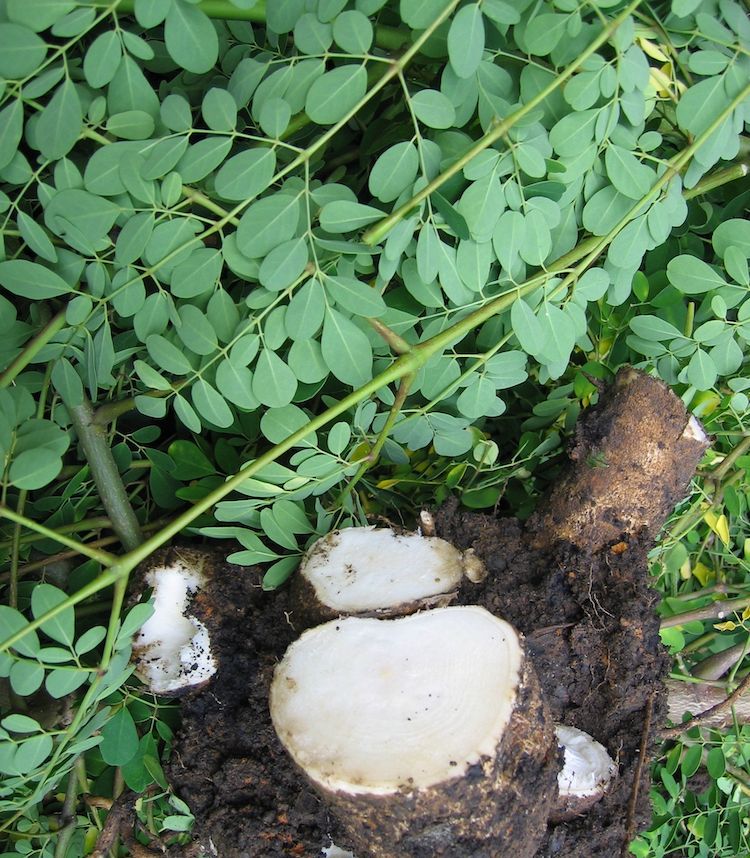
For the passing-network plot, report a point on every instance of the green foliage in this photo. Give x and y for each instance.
(235, 235)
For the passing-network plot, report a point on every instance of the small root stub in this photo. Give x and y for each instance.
(368, 571)
(426, 734)
(172, 651)
(585, 776)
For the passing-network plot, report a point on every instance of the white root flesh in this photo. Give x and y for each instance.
(587, 769)
(369, 706)
(172, 649)
(367, 569)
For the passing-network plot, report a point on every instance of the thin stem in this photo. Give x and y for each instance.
(374, 454)
(715, 611)
(67, 816)
(98, 454)
(397, 344)
(377, 232)
(717, 179)
(103, 557)
(32, 349)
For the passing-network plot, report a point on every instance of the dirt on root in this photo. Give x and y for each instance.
(591, 628)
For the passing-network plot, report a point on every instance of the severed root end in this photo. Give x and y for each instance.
(378, 572)
(415, 730)
(172, 651)
(585, 776)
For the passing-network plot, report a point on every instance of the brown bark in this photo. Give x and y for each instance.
(698, 697)
(633, 458)
(499, 808)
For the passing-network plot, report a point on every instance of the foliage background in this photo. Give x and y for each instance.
(268, 269)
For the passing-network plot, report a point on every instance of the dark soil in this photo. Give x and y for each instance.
(590, 626)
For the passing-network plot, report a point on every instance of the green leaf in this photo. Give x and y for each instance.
(196, 331)
(278, 424)
(352, 32)
(481, 205)
(346, 349)
(36, 238)
(544, 33)
(278, 573)
(34, 469)
(219, 109)
(606, 208)
(167, 356)
(506, 369)
(18, 723)
(393, 172)
(284, 264)
(11, 129)
(629, 176)
(61, 682)
(247, 174)
(355, 296)
(39, 15)
(450, 215)
(433, 108)
(26, 677)
(276, 533)
(31, 280)
(102, 59)
(692, 276)
(654, 328)
(716, 763)
(23, 51)
(268, 223)
(311, 35)
(203, 158)
(466, 40)
(90, 639)
(190, 37)
(210, 404)
(558, 335)
(235, 383)
(133, 620)
(131, 125)
(428, 252)
(702, 104)
(419, 14)
(701, 371)
(345, 216)
(60, 123)
(119, 739)
(198, 274)
(526, 327)
(274, 384)
(477, 398)
(67, 382)
(733, 232)
(630, 244)
(536, 244)
(335, 93)
(61, 628)
(306, 310)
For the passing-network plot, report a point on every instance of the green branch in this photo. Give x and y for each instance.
(32, 349)
(103, 557)
(95, 445)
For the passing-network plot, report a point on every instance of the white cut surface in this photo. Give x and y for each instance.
(173, 648)
(333, 851)
(587, 768)
(372, 706)
(362, 569)
(694, 430)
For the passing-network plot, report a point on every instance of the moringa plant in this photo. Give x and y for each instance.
(262, 262)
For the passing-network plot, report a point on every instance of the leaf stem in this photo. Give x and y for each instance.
(103, 557)
(717, 179)
(32, 348)
(372, 457)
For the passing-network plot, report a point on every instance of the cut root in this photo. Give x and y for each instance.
(403, 722)
(586, 773)
(173, 649)
(378, 572)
